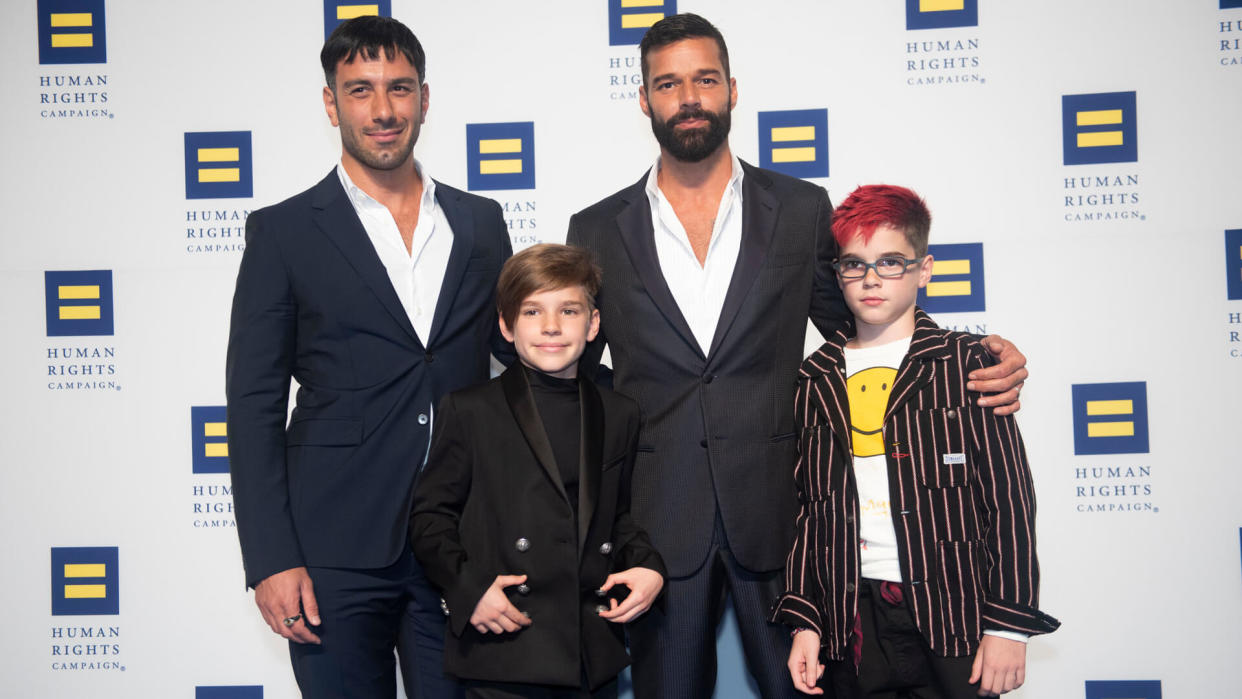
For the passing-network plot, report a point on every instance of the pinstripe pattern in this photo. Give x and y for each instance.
(965, 531)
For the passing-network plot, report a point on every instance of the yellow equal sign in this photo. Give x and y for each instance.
(1099, 117)
(219, 155)
(85, 570)
(637, 20)
(344, 12)
(78, 292)
(1110, 407)
(798, 154)
(949, 288)
(62, 20)
(216, 429)
(502, 166)
(941, 5)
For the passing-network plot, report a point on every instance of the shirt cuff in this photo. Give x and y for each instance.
(1011, 635)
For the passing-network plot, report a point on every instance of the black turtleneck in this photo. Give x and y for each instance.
(560, 410)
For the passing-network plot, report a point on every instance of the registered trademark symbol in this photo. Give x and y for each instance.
(1143, 217)
(982, 80)
(118, 388)
(111, 116)
(1155, 509)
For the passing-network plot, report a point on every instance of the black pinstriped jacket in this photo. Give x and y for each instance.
(965, 526)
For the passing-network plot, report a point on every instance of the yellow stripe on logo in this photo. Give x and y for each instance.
(215, 429)
(86, 570)
(219, 155)
(500, 145)
(219, 174)
(72, 41)
(642, 3)
(639, 20)
(500, 167)
(1099, 138)
(950, 267)
(961, 288)
(941, 5)
(71, 19)
(1110, 429)
(1099, 116)
(352, 11)
(1110, 407)
(793, 155)
(79, 312)
(85, 291)
(86, 591)
(793, 133)
(217, 449)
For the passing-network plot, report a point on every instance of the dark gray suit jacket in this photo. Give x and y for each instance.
(719, 428)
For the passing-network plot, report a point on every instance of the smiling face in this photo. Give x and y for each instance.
(883, 308)
(688, 98)
(551, 330)
(379, 106)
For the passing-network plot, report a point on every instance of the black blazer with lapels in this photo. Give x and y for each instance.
(490, 502)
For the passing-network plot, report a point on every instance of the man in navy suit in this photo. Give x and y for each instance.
(374, 290)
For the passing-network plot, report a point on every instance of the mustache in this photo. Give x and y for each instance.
(687, 115)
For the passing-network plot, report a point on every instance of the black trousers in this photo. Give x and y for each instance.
(897, 662)
(674, 649)
(514, 690)
(365, 614)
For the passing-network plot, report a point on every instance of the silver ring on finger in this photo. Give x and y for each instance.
(290, 620)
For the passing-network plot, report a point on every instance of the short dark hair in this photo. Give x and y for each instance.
(680, 27)
(366, 36)
(544, 267)
(875, 205)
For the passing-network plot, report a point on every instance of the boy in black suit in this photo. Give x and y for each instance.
(522, 514)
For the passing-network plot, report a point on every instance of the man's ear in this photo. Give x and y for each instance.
(329, 105)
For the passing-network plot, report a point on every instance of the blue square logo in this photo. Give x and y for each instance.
(235, 692)
(1123, 689)
(629, 20)
(1099, 128)
(209, 439)
(1230, 4)
(1233, 263)
(337, 11)
(84, 581)
(218, 165)
(72, 31)
(956, 285)
(1110, 418)
(941, 14)
(78, 303)
(794, 142)
(500, 156)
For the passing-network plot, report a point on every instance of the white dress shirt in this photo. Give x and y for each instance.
(418, 274)
(699, 290)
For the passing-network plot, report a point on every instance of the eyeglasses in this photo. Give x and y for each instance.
(889, 267)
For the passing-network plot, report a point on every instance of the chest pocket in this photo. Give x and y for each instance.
(943, 455)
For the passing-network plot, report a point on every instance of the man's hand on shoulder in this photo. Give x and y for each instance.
(1004, 379)
(289, 595)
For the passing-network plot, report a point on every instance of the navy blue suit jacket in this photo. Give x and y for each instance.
(314, 303)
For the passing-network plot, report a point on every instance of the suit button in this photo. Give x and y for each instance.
(849, 519)
(444, 606)
(605, 548)
(600, 609)
(708, 378)
(849, 587)
(522, 544)
(429, 357)
(703, 443)
(524, 589)
(950, 413)
(422, 418)
(600, 593)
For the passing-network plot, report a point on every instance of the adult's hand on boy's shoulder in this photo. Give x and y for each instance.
(1004, 379)
(804, 665)
(645, 585)
(495, 613)
(1000, 666)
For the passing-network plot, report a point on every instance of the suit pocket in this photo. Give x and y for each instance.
(782, 437)
(944, 460)
(613, 463)
(958, 585)
(324, 432)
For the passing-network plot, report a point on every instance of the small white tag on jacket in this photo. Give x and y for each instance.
(954, 459)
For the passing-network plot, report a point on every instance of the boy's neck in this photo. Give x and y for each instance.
(869, 335)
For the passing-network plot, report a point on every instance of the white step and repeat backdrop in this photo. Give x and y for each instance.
(1081, 159)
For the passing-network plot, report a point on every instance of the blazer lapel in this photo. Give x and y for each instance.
(522, 404)
(828, 378)
(927, 343)
(759, 209)
(462, 222)
(592, 459)
(638, 235)
(335, 216)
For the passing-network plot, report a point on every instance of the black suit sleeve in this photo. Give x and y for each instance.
(259, 365)
(589, 364)
(439, 499)
(633, 546)
(828, 310)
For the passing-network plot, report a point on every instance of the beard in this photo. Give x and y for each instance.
(389, 158)
(692, 145)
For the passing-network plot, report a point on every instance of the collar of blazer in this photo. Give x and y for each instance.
(335, 217)
(824, 370)
(521, 402)
(759, 211)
